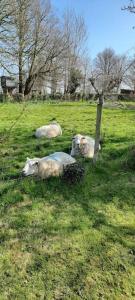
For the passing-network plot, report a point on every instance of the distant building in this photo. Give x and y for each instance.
(7, 85)
(126, 89)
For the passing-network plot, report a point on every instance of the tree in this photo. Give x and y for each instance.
(74, 80)
(130, 76)
(6, 10)
(85, 67)
(5, 13)
(37, 44)
(130, 7)
(34, 42)
(50, 43)
(75, 30)
(16, 45)
(105, 62)
(108, 72)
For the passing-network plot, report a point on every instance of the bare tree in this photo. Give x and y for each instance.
(85, 67)
(106, 61)
(109, 71)
(35, 41)
(15, 46)
(75, 30)
(130, 7)
(130, 76)
(5, 13)
(6, 10)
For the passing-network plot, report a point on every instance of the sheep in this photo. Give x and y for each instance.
(52, 165)
(50, 131)
(83, 145)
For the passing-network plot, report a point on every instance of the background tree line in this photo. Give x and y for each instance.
(41, 50)
(37, 46)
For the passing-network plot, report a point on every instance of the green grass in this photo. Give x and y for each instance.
(67, 242)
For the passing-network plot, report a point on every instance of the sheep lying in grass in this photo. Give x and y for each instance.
(50, 131)
(83, 145)
(52, 165)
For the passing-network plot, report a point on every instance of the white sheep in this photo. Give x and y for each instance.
(52, 165)
(83, 145)
(50, 131)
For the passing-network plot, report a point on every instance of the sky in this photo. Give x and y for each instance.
(107, 24)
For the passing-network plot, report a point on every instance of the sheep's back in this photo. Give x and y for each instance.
(53, 131)
(49, 167)
(63, 158)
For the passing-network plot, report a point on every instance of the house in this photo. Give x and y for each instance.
(126, 89)
(8, 84)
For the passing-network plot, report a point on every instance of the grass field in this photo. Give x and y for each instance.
(59, 241)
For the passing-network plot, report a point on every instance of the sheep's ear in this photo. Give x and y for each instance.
(34, 163)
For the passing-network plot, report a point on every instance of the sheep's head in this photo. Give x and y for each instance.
(78, 141)
(31, 167)
(83, 141)
(54, 122)
(83, 145)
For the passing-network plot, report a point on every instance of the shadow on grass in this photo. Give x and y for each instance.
(64, 230)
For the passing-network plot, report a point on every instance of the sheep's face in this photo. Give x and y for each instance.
(78, 141)
(31, 167)
(83, 141)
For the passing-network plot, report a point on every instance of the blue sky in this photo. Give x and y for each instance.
(107, 24)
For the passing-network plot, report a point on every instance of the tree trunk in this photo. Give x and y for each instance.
(54, 82)
(98, 127)
(28, 85)
(65, 78)
(84, 84)
(20, 53)
(20, 74)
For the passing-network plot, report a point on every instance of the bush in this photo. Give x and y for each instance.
(18, 97)
(124, 97)
(55, 96)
